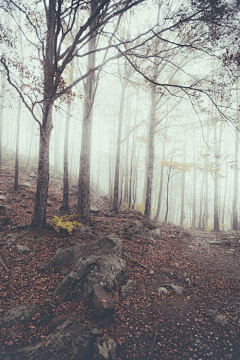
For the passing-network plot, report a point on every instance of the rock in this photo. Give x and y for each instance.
(2, 197)
(221, 242)
(106, 245)
(59, 320)
(220, 319)
(102, 303)
(185, 233)
(70, 340)
(178, 289)
(2, 210)
(110, 271)
(138, 227)
(156, 232)
(105, 348)
(172, 236)
(19, 314)
(162, 290)
(129, 288)
(94, 209)
(61, 259)
(210, 312)
(26, 184)
(22, 249)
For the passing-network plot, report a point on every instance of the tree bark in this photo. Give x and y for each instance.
(194, 185)
(85, 156)
(216, 178)
(182, 217)
(17, 145)
(235, 186)
(159, 203)
(39, 215)
(2, 96)
(118, 150)
(65, 202)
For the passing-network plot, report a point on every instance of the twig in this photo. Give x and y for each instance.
(153, 341)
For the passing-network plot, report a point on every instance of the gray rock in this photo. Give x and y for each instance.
(61, 259)
(105, 348)
(162, 290)
(19, 314)
(220, 319)
(106, 245)
(129, 288)
(93, 209)
(110, 271)
(102, 303)
(2, 197)
(210, 312)
(178, 289)
(156, 232)
(71, 340)
(22, 249)
(26, 184)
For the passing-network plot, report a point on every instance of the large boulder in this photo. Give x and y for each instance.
(70, 341)
(19, 314)
(110, 271)
(105, 245)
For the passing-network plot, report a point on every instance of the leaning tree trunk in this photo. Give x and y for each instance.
(85, 155)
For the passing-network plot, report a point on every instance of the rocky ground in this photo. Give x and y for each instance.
(187, 301)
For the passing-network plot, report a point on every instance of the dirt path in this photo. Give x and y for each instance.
(219, 252)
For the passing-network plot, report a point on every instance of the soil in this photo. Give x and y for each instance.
(156, 322)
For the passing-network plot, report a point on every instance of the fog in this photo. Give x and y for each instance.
(194, 139)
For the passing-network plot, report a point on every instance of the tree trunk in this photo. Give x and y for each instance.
(206, 213)
(235, 186)
(159, 203)
(2, 96)
(17, 145)
(216, 178)
(85, 156)
(182, 217)
(167, 193)
(39, 215)
(118, 150)
(194, 185)
(65, 202)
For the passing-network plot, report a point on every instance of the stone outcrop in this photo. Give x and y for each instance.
(129, 288)
(106, 245)
(19, 314)
(110, 271)
(71, 340)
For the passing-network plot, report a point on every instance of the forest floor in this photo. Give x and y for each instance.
(199, 319)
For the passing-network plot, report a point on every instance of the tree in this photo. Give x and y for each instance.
(51, 25)
(127, 70)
